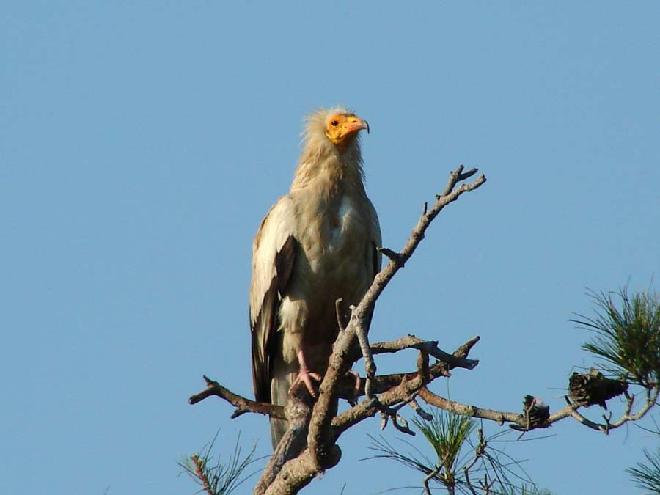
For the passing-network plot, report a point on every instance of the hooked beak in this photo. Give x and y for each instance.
(357, 124)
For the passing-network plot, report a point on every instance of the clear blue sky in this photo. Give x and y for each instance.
(142, 142)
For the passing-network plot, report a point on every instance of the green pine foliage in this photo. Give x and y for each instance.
(462, 459)
(447, 434)
(647, 474)
(626, 334)
(215, 476)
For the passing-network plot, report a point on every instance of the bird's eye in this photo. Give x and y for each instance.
(334, 123)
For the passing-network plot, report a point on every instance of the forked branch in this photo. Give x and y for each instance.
(309, 445)
(293, 469)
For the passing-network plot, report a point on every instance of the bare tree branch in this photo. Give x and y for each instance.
(346, 386)
(241, 403)
(309, 445)
(500, 417)
(608, 425)
(520, 421)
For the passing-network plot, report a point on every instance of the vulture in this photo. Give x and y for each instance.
(317, 244)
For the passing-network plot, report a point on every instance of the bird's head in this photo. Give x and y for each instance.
(336, 128)
(342, 127)
(330, 142)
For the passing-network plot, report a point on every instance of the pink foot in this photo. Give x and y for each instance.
(305, 376)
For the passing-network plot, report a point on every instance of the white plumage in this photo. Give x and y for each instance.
(317, 244)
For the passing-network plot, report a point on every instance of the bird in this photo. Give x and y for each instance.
(317, 244)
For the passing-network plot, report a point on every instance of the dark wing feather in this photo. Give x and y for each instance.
(284, 261)
(273, 259)
(263, 329)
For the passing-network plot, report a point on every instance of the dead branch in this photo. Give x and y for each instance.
(369, 365)
(297, 411)
(430, 346)
(309, 445)
(571, 410)
(521, 421)
(400, 388)
(241, 403)
(346, 387)
(500, 417)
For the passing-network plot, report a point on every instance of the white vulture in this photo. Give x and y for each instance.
(317, 244)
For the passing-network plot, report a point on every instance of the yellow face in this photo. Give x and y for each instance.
(341, 127)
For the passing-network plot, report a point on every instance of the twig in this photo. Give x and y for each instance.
(399, 388)
(414, 405)
(199, 471)
(346, 388)
(455, 360)
(521, 421)
(608, 425)
(479, 452)
(429, 477)
(242, 404)
(392, 255)
(369, 365)
(472, 411)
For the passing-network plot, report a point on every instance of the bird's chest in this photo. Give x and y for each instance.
(335, 231)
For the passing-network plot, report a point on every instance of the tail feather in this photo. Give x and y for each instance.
(280, 384)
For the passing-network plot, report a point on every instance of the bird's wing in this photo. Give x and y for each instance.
(273, 257)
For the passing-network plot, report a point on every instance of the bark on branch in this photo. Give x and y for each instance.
(346, 386)
(241, 403)
(521, 421)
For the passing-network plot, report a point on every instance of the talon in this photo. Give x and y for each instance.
(306, 377)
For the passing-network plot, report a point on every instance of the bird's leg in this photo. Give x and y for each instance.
(305, 376)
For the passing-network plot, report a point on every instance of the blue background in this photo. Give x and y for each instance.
(142, 142)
